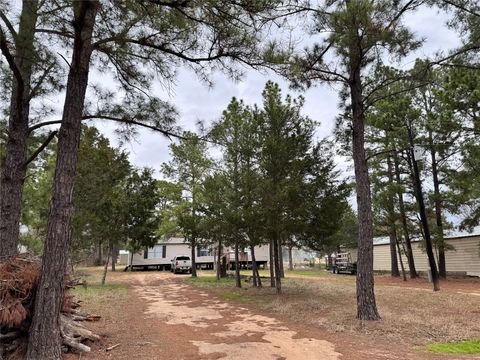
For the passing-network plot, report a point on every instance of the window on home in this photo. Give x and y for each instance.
(204, 251)
(157, 252)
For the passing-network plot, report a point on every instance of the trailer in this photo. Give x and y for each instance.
(342, 263)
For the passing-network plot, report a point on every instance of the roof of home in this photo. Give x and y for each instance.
(450, 235)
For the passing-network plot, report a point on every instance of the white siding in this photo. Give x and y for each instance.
(465, 258)
(176, 247)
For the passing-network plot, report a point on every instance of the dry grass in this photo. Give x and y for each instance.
(409, 315)
(105, 300)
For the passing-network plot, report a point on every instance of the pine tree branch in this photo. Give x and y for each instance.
(461, 7)
(10, 60)
(40, 81)
(40, 148)
(167, 133)
(9, 25)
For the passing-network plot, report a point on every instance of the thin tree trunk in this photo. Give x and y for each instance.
(276, 261)
(44, 336)
(257, 282)
(219, 260)
(401, 260)
(114, 252)
(442, 268)
(403, 215)
(14, 164)
(366, 304)
(423, 215)
(272, 265)
(391, 220)
(238, 283)
(105, 266)
(194, 262)
(280, 258)
(290, 259)
(99, 259)
(130, 268)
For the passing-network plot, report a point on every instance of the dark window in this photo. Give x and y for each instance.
(183, 258)
(164, 251)
(145, 253)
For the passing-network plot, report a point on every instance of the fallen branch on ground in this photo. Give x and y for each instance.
(19, 282)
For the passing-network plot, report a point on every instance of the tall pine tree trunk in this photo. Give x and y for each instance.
(442, 268)
(105, 266)
(290, 259)
(366, 304)
(257, 282)
(44, 336)
(193, 260)
(272, 265)
(219, 260)
(238, 283)
(401, 260)
(280, 258)
(114, 252)
(276, 261)
(403, 215)
(391, 222)
(14, 165)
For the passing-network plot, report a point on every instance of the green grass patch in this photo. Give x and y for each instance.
(461, 347)
(208, 280)
(99, 288)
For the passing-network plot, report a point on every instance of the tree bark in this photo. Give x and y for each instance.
(280, 258)
(401, 261)
(257, 282)
(44, 336)
(276, 261)
(219, 260)
(194, 262)
(114, 252)
(105, 266)
(130, 268)
(442, 268)
(290, 259)
(366, 304)
(391, 222)
(423, 214)
(272, 265)
(403, 215)
(14, 165)
(238, 283)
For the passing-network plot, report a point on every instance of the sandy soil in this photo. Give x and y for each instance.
(165, 318)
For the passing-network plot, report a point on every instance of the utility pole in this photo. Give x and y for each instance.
(423, 214)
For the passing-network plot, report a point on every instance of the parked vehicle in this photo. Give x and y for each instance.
(181, 264)
(343, 263)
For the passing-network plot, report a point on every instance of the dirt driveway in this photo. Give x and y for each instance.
(165, 318)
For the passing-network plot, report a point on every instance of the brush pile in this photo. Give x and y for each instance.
(19, 278)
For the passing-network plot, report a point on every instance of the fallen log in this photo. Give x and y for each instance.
(73, 329)
(74, 344)
(83, 316)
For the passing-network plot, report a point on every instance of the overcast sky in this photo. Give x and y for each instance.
(197, 102)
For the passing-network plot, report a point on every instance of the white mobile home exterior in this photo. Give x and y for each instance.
(464, 260)
(164, 251)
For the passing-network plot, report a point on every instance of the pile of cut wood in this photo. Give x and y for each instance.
(18, 283)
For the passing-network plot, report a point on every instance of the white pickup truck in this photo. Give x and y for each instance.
(181, 264)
